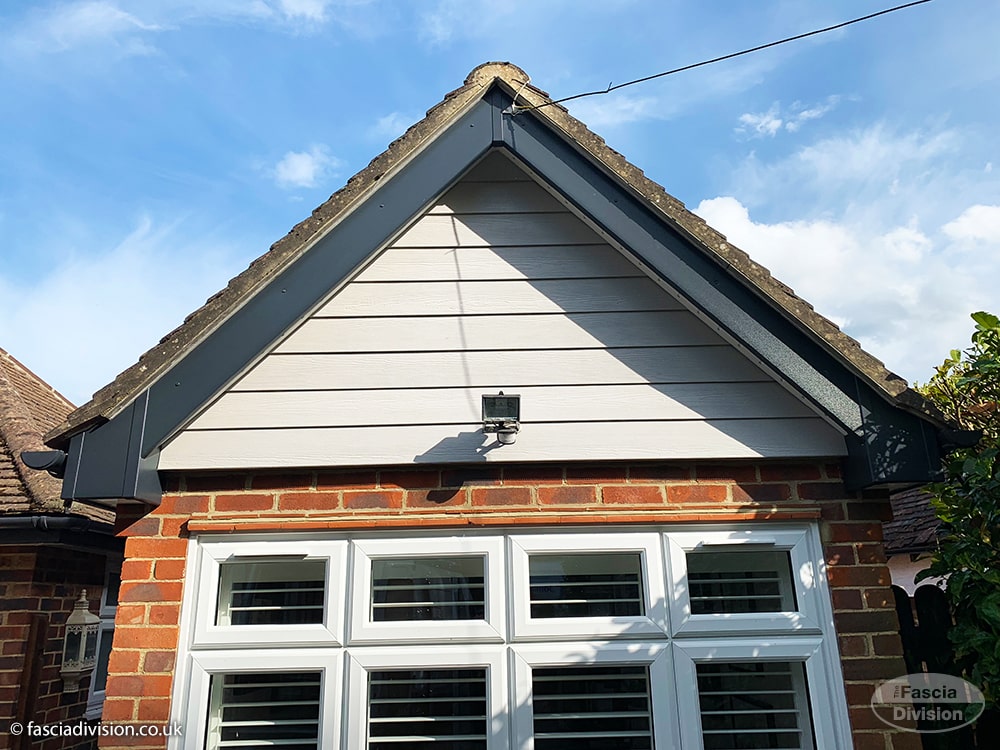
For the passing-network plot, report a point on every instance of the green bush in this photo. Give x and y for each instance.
(966, 387)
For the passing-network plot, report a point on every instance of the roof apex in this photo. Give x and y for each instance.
(488, 71)
(113, 398)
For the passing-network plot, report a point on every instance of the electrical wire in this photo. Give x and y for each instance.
(518, 108)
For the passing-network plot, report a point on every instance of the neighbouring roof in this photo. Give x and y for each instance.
(111, 399)
(914, 526)
(29, 407)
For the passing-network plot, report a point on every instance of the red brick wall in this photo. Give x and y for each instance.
(147, 624)
(42, 582)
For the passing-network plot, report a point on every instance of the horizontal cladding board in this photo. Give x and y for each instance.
(357, 446)
(488, 230)
(493, 297)
(488, 264)
(487, 197)
(489, 369)
(538, 404)
(499, 332)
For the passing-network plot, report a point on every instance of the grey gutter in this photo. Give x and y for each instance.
(43, 522)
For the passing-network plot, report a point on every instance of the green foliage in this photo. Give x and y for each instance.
(966, 387)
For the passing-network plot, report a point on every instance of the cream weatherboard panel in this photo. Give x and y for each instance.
(461, 406)
(499, 287)
(491, 369)
(498, 263)
(349, 446)
(493, 297)
(448, 333)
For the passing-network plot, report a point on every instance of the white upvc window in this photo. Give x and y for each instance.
(587, 586)
(745, 581)
(450, 590)
(265, 697)
(600, 695)
(649, 638)
(427, 696)
(270, 592)
(754, 693)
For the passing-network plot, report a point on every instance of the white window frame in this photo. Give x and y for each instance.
(656, 656)
(347, 645)
(213, 555)
(95, 698)
(646, 545)
(363, 660)
(830, 728)
(805, 556)
(490, 629)
(206, 664)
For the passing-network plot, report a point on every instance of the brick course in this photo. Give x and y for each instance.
(141, 682)
(43, 582)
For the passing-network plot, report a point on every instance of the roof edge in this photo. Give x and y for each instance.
(20, 432)
(782, 297)
(197, 326)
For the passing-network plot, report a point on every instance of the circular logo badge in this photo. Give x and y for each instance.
(927, 702)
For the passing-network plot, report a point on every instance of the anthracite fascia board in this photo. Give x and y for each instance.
(236, 343)
(886, 443)
(682, 267)
(118, 458)
(104, 462)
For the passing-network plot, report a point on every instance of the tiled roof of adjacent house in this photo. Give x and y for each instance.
(914, 526)
(129, 384)
(29, 407)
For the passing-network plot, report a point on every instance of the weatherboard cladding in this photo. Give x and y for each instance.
(890, 437)
(513, 291)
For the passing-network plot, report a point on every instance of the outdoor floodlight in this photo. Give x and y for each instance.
(502, 415)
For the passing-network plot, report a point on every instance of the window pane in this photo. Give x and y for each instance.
(265, 709)
(588, 585)
(100, 679)
(754, 705)
(594, 707)
(732, 582)
(113, 583)
(443, 708)
(272, 593)
(428, 588)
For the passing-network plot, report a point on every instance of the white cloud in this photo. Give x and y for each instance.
(894, 289)
(876, 175)
(772, 122)
(759, 125)
(88, 23)
(977, 223)
(94, 312)
(129, 26)
(311, 10)
(888, 237)
(305, 168)
(815, 112)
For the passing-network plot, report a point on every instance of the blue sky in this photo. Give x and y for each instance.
(150, 149)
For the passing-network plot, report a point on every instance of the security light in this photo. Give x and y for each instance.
(502, 415)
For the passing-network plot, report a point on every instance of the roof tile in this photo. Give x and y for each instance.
(28, 407)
